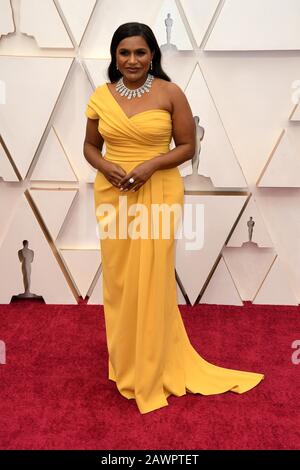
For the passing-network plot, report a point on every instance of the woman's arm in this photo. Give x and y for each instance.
(184, 132)
(92, 148)
(93, 144)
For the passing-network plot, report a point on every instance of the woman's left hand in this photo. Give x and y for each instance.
(141, 173)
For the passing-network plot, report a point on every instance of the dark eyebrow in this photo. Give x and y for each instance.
(138, 49)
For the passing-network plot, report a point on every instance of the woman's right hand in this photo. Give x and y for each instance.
(112, 172)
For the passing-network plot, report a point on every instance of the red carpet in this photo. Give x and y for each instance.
(55, 393)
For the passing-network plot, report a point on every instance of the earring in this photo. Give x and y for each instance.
(117, 66)
(151, 65)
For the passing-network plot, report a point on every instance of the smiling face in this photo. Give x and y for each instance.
(133, 57)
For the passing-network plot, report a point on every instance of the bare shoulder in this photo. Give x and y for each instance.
(168, 87)
(174, 88)
(172, 94)
(177, 97)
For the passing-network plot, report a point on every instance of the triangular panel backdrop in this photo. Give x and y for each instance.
(238, 63)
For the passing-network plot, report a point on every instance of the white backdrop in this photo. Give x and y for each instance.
(238, 62)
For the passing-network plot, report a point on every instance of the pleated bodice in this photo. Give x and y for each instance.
(135, 138)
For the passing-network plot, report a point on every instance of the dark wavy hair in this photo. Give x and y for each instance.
(135, 29)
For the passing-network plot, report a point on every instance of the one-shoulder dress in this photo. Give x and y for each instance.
(150, 356)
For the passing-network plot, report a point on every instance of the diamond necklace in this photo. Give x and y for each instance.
(124, 91)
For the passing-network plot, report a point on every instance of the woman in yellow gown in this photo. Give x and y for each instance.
(150, 355)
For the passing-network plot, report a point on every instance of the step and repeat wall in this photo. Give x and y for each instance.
(238, 62)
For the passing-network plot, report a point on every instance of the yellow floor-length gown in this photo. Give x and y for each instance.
(150, 355)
